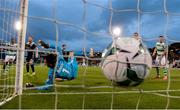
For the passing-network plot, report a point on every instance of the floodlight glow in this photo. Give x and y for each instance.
(18, 25)
(117, 31)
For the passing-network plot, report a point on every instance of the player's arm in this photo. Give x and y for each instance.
(107, 50)
(43, 44)
(154, 52)
(49, 45)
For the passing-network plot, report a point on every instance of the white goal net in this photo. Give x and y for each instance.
(13, 14)
(8, 16)
(85, 27)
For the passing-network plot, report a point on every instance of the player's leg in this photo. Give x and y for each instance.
(33, 70)
(165, 70)
(50, 79)
(31, 63)
(32, 66)
(4, 65)
(27, 65)
(157, 63)
(157, 72)
(49, 82)
(5, 62)
(50, 60)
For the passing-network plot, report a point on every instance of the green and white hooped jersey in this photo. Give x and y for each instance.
(11, 52)
(161, 47)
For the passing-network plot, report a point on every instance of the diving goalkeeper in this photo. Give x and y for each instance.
(63, 70)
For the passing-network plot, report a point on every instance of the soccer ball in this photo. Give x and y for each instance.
(126, 62)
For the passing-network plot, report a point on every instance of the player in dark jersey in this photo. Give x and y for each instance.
(30, 45)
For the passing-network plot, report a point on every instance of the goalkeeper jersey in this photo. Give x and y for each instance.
(161, 48)
(65, 70)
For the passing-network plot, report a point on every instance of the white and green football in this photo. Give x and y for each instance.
(126, 62)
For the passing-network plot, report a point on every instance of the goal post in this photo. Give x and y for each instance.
(21, 47)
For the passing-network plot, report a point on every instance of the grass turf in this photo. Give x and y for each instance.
(94, 98)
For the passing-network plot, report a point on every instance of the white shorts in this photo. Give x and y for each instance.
(160, 61)
(9, 58)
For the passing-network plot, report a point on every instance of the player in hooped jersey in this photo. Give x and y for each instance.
(160, 52)
(10, 55)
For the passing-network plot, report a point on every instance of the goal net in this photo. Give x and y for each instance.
(86, 28)
(7, 74)
(12, 14)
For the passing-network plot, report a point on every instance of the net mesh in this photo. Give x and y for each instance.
(8, 16)
(88, 90)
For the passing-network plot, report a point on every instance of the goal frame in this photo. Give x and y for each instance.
(21, 47)
(18, 87)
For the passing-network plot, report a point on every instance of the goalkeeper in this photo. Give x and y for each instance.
(63, 70)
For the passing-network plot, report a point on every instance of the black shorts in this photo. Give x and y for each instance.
(28, 59)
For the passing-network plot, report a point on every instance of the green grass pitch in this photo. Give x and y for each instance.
(97, 98)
